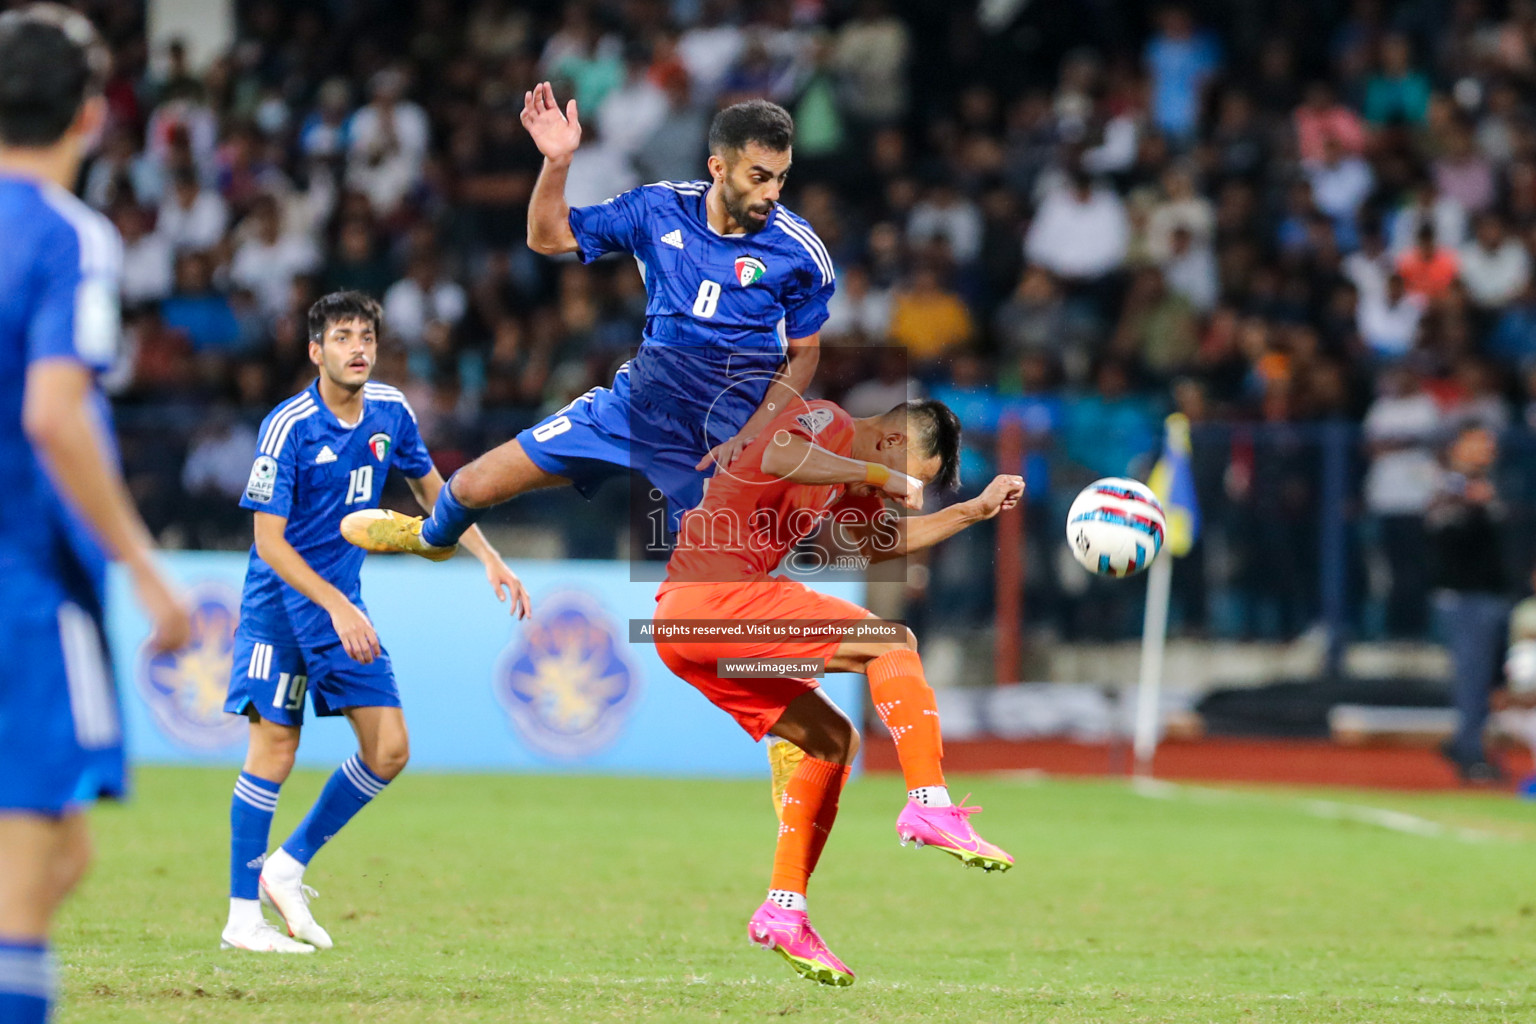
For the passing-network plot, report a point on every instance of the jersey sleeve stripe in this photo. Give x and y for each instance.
(693, 188)
(391, 396)
(277, 449)
(812, 245)
(281, 417)
(278, 433)
(98, 254)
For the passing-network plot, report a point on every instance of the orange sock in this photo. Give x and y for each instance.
(904, 702)
(810, 807)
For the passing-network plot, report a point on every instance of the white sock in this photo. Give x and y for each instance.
(930, 796)
(245, 913)
(788, 900)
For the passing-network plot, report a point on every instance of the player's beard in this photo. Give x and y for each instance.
(740, 210)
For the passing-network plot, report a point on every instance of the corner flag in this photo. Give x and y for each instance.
(1173, 482)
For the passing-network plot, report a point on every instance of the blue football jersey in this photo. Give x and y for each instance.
(313, 469)
(720, 309)
(59, 272)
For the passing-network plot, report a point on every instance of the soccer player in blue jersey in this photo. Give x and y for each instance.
(736, 292)
(303, 627)
(63, 507)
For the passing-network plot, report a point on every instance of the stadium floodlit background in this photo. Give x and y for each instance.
(1307, 225)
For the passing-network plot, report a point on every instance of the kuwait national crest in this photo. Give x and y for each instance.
(749, 270)
(379, 445)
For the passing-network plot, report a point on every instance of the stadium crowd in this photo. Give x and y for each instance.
(1079, 226)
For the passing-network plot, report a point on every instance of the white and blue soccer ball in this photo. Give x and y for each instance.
(1116, 527)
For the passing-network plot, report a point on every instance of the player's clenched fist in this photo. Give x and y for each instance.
(905, 489)
(1000, 495)
(557, 135)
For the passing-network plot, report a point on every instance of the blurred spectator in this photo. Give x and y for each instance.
(388, 143)
(871, 54)
(357, 264)
(1181, 60)
(1402, 428)
(635, 108)
(214, 477)
(1396, 93)
(1181, 207)
(1109, 431)
(676, 148)
(1190, 271)
(198, 310)
(944, 214)
(1427, 206)
(891, 384)
(1323, 121)
(1389, 322)
(1158, 328)
(1341, 181)
(191, 217)
(1079, 231)
(928, 319)
(1514, 336)
(1463, 175)
(424, 297)
(326, 132)
(148, 261)
(859, 312)
(268, 259)
(1428, 269)
(1494, 267)
(1469, 579)
(1033, 319)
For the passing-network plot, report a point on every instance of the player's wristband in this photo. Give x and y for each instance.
(876, 474)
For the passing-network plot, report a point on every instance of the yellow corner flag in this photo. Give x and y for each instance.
(1173, 482)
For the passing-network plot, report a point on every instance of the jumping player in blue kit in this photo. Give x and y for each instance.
(736, 292)
(64, 507)
(303, 628)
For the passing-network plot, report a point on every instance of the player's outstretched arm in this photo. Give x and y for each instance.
(502, 579)
(790, 384)
(914, 533)
(795, 458)
(63, 430)
(356, 633)
(557, 135)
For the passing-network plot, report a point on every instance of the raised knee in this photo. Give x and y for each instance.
(390, 759)
(910, 640)
(75, 862)
(855, 741)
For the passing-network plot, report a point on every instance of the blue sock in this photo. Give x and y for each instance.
(250, 822)
(449, 519)
(26, 982)
(346, 792)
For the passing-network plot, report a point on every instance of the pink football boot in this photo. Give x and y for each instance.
(790, 932)
(949, 829)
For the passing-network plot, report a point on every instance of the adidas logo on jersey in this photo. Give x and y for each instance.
(674, 238)
(326, 455)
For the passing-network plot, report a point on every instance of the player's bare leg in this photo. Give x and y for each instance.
(905, 703)
(268, 763)
(814, 725)
(42, 859)
(499, 475)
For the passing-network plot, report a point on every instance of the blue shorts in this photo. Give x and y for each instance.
(273, 678)
(606, 432)
(61, 733)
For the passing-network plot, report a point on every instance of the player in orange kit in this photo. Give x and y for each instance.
(810, 463)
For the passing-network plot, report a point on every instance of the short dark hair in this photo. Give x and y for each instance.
(338, 306)
(51, 60)
(936, 432)
(767, 124)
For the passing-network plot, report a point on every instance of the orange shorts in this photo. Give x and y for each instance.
(756, 704)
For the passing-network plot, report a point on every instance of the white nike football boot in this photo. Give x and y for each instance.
(283, 889)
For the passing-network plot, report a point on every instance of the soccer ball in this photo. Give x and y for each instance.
(1115, 527)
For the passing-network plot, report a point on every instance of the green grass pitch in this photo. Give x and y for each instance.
(569, 900)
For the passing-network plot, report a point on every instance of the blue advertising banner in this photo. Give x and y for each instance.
(564, 692)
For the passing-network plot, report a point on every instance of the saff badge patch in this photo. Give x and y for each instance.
(379, 445)
(749, 270)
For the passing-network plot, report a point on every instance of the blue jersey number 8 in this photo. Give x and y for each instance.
(709, 298)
